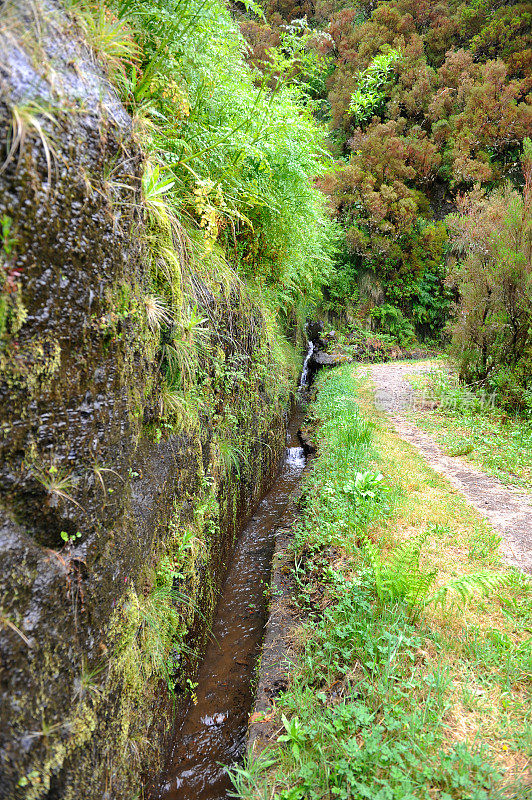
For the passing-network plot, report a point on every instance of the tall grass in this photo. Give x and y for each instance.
(240, 157)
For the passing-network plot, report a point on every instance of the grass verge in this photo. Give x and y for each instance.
(470, 425)
(394, 695)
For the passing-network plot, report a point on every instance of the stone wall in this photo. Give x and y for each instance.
(99, 485)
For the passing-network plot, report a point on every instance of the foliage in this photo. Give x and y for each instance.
(368, 100)
(390, 319)
(227, 187)
(456, 113)
(28, 119)
(492, 239)
(356, 734)
(239, 159)
(385, 227)
(399, 577)
(366, 711)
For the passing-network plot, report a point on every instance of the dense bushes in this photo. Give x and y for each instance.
(451, 109)
(492, 332)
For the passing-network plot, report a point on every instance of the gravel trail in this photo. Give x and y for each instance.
(508, 510)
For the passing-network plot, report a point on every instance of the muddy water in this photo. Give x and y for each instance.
(213, 730)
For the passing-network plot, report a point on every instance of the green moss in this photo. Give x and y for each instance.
(31, 365)
(13, 313)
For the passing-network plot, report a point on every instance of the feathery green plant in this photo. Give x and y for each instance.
(399, 577)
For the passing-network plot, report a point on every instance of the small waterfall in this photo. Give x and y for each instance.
(295, 459)
(303, 383)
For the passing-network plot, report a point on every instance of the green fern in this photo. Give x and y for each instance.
(404, 579)
(400, 577)
(465, 587)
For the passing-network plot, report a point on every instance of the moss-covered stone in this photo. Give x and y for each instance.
(118, 509)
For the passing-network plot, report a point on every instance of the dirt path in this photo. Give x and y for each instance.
(509, 511)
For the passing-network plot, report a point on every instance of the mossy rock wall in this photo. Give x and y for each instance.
(87, 453)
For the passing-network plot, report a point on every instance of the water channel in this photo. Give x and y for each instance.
(212, 732)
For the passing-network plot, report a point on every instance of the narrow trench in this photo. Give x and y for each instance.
(212, 732)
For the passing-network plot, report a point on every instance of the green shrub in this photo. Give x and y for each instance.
(391, 320)
(368, 100)
(492, 331)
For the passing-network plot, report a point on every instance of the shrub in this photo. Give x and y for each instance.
(369, 98)
(389, 319)
(492, 331)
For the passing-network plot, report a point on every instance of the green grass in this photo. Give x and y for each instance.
(350, 727)
(384, 703)
(468, 424)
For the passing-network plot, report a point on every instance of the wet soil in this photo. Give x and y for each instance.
(508, 510)
(212, 732)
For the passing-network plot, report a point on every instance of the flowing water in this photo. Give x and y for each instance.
(213, 731)
(304, 380)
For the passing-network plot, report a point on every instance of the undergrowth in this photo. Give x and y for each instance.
(371, 706)
(470, 423)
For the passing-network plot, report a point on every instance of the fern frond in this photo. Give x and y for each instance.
(419, 589)
(405, 558)
(468, 586)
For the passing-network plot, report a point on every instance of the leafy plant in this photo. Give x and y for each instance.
(368, 99)
(70, 538)
(8, 240)
(156, 183)
(365, 485)
(99, 471)
(110, 36)
(233, 457)
(294, 735)
(390, 319)
(492, 239)
(399, 577)
(180, 361)
(86, 684)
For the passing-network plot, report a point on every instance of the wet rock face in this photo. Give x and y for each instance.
(65, 383)
(70, 392)
(79, 381)
(314, 331)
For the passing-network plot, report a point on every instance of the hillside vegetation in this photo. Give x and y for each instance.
(428, 106)
(183, 183)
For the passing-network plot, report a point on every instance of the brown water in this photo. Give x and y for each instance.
(212, 733)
